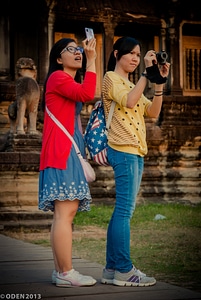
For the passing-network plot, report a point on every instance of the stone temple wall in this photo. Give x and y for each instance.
(172, 170)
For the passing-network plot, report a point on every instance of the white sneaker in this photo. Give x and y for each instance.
(73, 278)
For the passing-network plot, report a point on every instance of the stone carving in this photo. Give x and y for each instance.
(27, 98)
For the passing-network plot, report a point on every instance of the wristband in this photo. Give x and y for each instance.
(154, 76)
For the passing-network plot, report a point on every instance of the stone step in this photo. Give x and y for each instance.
(15, 213)
(26, 216)
(25, 224)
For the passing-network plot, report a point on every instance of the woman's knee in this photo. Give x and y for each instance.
(65, 209)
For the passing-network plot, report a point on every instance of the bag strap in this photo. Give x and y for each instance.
(110, 115)
(63, 129)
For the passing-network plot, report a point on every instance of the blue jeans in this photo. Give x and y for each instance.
(128, 169)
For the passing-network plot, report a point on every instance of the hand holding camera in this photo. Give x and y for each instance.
(157, 68)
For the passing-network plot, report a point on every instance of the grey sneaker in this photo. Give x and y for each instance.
(73, 278)
(54, 275)
(107, 276)
(133, 278)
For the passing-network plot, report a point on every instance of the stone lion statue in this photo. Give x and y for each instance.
(27, 98)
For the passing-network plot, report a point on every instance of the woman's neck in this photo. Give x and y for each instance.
(121, 72)
(70, 72)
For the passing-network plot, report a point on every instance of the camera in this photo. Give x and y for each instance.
(161, 57)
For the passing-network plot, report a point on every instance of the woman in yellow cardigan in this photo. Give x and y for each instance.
(127, 148)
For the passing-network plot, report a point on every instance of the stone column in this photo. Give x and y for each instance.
(173, 37)
(51, 18)
(4, 48)
(109, 26)
(43, 54)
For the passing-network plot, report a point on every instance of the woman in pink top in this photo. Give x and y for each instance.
(63, 188)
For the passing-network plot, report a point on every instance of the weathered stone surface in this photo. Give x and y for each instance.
(172, 171)
(19, 161)
(20, 143)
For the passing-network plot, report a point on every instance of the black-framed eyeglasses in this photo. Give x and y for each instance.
(72, 49)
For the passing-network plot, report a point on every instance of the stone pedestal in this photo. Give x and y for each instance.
(19, 170)
(23, 143)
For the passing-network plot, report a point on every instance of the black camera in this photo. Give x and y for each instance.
(161, 57)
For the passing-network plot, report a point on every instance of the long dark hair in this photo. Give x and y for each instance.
(123, 45)
(55, 53)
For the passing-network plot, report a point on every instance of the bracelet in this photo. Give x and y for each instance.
(144, 74)
(158, 94)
